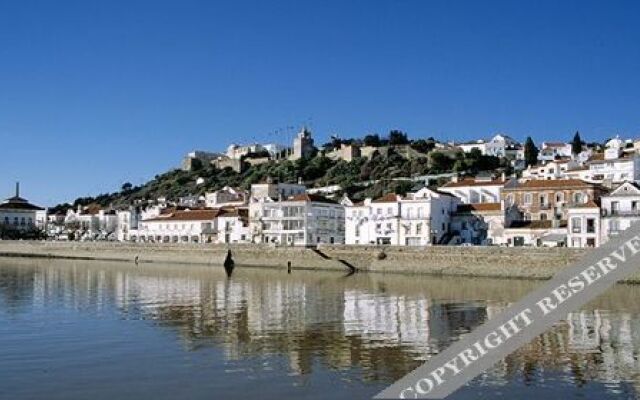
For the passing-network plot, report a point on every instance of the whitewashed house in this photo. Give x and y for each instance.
(555, 169)
(298, 220)
(614, 166)
(620, 209)
(127, 222)
(583, 228)
(418, 219)
(550, 151)
(227, 197)
(183, 226)
(91, 223)
(276, 190)
(497, 146)
(232, 226)
(476, 190)
(483, 223)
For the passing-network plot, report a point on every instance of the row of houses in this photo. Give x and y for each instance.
(481, 210)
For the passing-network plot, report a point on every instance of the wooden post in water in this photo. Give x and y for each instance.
(288, 267)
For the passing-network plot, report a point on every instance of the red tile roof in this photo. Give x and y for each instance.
(551, 184)
(187, 215)
(387, 198)
(479, 207)
(473, 182)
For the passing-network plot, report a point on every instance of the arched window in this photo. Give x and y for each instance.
(559, 197)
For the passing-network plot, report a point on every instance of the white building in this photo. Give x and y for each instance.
(299, 220)
(483, 223)
(550, 151)
(18, 214)
(475, 190)
(232, 226)
(92, 223)
(185, 226)
(620, 209)
(127, 222)
(418, 219)
(611, 168)
(556, 169)
(276, 190)
(227, 197)
(583, 228)
(498, 146)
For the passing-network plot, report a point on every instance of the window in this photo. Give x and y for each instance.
(615, 207)
(576, 225)
(543, 217)
(559, 197)
(419, 212)
(591, 225)
(634, 206)
(543, 200)
(578, 198)
(419, 229)
(527, 198)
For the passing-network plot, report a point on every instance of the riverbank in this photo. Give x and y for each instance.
(494, 262)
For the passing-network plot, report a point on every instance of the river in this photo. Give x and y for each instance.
(110, 330)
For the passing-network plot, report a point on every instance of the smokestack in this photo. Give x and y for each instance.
(17, 189)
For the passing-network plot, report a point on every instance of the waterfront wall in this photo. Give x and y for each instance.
(499, 262)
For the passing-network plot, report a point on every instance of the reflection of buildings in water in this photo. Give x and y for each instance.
(343, 327)
(426, 327)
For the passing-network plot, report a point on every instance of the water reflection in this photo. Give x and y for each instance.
(374, 326)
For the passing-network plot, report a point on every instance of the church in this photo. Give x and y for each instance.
(17, 213)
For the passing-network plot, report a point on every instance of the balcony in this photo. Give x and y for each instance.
(621, 213)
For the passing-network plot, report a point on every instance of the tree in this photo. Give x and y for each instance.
(576, 144)
(372, 140)
(440, 162)
(127, 186)
(530, 152)
(423, 146)
(397, 138)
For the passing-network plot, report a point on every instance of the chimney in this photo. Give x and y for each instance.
(454, 178)
(299, 180)
(503, 176)
(17, 189)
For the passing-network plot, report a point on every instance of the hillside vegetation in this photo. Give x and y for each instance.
(383, 166)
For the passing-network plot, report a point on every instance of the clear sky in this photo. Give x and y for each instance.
(96, 93)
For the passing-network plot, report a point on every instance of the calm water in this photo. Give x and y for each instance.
(72, 330)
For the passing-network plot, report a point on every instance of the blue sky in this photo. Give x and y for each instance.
(96, 93)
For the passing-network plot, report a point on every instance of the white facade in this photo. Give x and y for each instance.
(475, 190)
(498, 146)
(226, 197)
(549, 151)
(300, 220)
(188, 226)
(419, 219)
(275, 190)
(233, 226)
(91, 223)
(583, 229)
(556, 169)
(619, 210)
(18, 214)
(127, 222)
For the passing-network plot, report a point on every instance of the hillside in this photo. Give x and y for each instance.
(388, 163)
